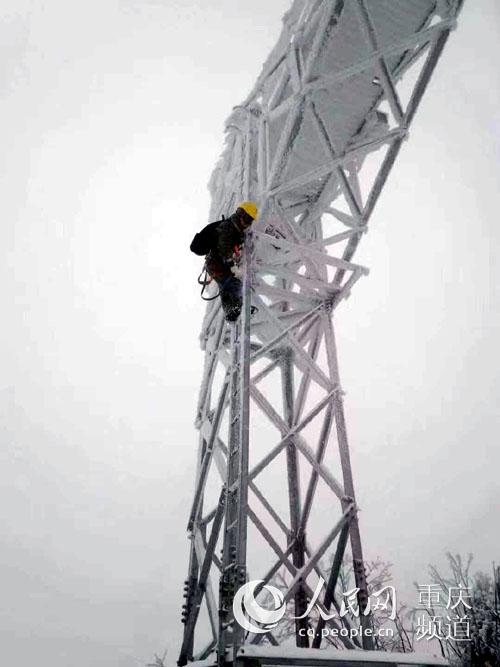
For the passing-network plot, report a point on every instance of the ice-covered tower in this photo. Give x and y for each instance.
(313, 145)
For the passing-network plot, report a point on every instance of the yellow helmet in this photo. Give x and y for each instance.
(249, 207)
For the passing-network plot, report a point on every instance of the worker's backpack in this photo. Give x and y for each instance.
(205, 240)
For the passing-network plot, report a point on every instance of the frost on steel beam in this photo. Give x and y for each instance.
(313, 143)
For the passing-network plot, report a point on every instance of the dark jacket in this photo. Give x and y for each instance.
(230, 236)
(218, 241)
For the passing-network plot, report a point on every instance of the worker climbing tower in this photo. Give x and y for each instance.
(274, 501)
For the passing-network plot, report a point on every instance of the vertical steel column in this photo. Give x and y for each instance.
(235, 539)
(189, 593)
(244, 425)
(345, 461)
(231, 575)
(296, 537)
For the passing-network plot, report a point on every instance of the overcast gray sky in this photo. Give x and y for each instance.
(111, 119)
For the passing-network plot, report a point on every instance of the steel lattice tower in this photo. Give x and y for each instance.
(313, 144)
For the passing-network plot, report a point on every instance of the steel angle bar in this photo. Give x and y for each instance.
(323, 472)
(208, 517)
(345, 289)
(220, 462)
(344, 218)
(380, 64)
(321, 573)
(305, 381)
(353, 180)
(215, 560)
(381, 178)
(378, 184)
(202, 580)
(244, 390)
(206, 651)
(277, 92)
(267, 505)
(258, 493)
(312, 218)
(345, 462)
(292, 258)
(257, 639)
(268, 458)
(274, 568)
(395, 146)
(329, 597)
(219, 459)
(298, 441)
(291, 231)
(351, 197)
(265, 371)
(284, 296)
(281, 425)
(213, 310)
(289, 133)
(268, 577)
(262, 153)
(313, 481)
(342, 236)
(293, 67)
(260, 323)
(311, 284)
(222, 450)
(330, 149)
(331, 291)
(302, 338)
(427, 70)
(209, 370)
(326, 168)
(209, 594)
(329, 9)
(398, 46)
(271, 67)
(302, 250)
(268, 537)
(292, 465)
(284, 556)
(270, 412)
(287, 299)
(284, 560)
(274, 418)
(207, 458)
(229, 634)
(302, 359)
(304, 572)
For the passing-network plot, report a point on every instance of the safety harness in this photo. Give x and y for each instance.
(204, 282)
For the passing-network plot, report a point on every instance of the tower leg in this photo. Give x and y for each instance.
(345, 461)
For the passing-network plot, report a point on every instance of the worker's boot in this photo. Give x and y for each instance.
(230, 296)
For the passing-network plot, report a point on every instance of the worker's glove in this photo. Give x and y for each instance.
(236, 271)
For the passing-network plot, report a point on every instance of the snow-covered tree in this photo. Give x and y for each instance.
(480, 606)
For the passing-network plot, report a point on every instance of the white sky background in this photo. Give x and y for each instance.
(111, 120)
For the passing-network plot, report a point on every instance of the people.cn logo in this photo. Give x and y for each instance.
(247, 611)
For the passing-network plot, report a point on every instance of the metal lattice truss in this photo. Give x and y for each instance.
(313, 144)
